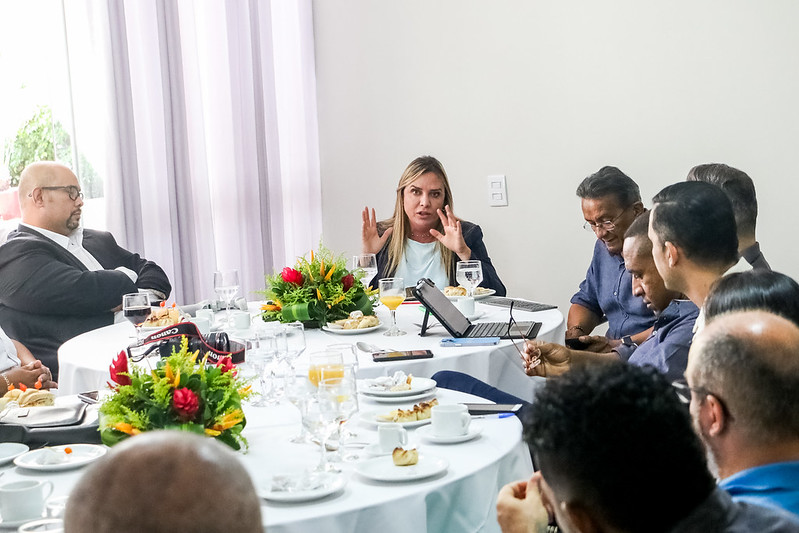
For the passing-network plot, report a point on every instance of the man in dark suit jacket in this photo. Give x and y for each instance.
(58, 280)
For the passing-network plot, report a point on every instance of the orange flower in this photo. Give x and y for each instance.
(172, 376)
(332, 269)
(318, 294)
(270, 307)
(228, 421)
(126, 428)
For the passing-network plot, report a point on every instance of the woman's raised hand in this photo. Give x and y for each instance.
(371, 241)
(452, 237)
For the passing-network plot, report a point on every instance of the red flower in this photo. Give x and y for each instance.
(347, 282)
(119, 365)
(186, 403)
(290, 275)
(226, 365)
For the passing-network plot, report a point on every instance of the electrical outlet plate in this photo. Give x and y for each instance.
(497, 191)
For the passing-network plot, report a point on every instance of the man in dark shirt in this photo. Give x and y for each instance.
(610, 201)
(740, 189)
(616, 452)
(58, 280)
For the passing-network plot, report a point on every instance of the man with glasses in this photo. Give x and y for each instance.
(743, 378)
(610, 201)
(58, 280)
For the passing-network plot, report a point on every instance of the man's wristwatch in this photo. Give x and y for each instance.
(628, 341)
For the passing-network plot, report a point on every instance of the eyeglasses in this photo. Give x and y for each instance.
(511, 323)
(73, 192)
(607, 225)
(683, 391)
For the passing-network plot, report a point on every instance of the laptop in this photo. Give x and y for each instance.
(458, 325)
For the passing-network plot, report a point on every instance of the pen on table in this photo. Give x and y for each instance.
(497, 415)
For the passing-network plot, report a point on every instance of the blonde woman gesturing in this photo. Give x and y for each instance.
(424, 238)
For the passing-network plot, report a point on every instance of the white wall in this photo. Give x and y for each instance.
(546, 92)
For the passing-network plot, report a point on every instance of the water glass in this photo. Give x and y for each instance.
(469, 274)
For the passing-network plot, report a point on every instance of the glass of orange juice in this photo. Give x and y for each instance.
(328, 360)
(392, 294)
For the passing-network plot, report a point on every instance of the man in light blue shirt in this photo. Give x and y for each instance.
(743, 374)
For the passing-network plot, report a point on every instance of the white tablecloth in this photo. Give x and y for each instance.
(462, 499)
(84, 360)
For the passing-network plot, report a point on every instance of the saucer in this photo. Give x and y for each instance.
(426, 433)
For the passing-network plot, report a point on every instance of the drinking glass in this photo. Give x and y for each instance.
(136, 307)
(296, 392)
(367, 263)
(320, 415)
(294, 338)
(392, 294)
(226, 285)
(260, 358)
(329, 361)
(349, 354)
(346, 390)
(469, 274)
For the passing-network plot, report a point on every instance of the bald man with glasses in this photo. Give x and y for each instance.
(58, 280)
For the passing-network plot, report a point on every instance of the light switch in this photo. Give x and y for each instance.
(497, 191)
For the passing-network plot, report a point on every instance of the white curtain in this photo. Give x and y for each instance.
(204, 117)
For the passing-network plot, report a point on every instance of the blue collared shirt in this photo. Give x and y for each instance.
(607, 291)
(773, 485)
(667, 347)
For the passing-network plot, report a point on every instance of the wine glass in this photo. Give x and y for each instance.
(296, 392)
(226, 285)
(347, 395)
(136, 307)
(392, 294)
(320, 417)
(469, 274)
(367, 263)
(330, 361)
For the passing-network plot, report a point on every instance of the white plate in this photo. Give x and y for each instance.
(400, 399)
(370, 417)
(427, 434)
(418, 386)
(81, 454)
(11, 450)
(489, 292)
(333, 484)
(342, 331)
(383, 468)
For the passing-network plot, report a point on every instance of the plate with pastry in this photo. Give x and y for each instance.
(402, 465)
(55, 458)
(454, 293)
(355, 324)
(396, 385)
(427, 434)
(304, 487)
(415, 416)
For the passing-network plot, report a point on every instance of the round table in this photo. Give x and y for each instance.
(84, 360)
(462, 498)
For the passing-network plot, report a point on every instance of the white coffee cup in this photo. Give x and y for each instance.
(390, 436)
(23, 500)
(450, 420)
(240, 319)
(203, 324)
(207, 314)
(465, 305)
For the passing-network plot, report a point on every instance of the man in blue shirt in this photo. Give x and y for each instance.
(610, 201)
(743, 374)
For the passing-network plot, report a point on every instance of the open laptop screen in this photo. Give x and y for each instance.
(443, 309)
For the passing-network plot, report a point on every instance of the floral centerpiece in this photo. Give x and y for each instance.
(177, 394)
(316, 291)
